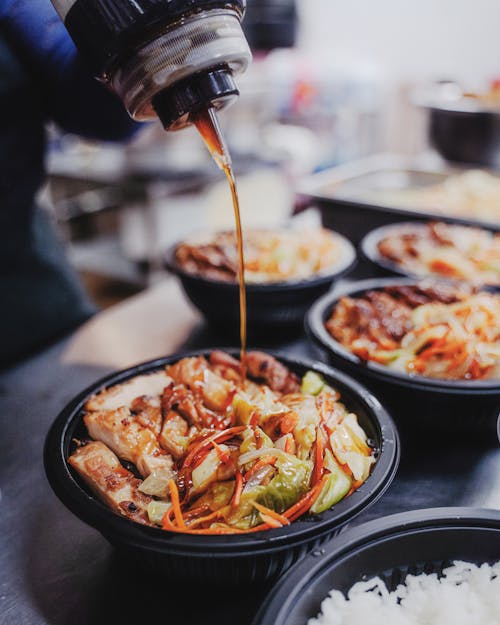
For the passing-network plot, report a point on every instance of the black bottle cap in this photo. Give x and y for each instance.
(211, 88)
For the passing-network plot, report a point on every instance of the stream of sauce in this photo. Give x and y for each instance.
(208, 126)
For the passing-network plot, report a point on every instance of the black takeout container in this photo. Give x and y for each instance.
(234, 559)
(420, 541)
(348, 195)
(274, 309)
(370, 242)
(416, 402)
(466, 135)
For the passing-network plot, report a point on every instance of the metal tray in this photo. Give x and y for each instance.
(349, 201)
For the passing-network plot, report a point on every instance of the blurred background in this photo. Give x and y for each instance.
(332, 82)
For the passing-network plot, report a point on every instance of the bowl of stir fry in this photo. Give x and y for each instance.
(449, 251)
(431, 349)
(285, 272)
(203, 471)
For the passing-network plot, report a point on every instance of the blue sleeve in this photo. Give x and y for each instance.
(70, 95)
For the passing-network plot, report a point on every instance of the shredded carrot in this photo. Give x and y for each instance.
(273, 523)
(289, 445)
(258, 465)
(206, 519)
(194, 512)
(345, 468)
(219, 437)
(318, 457)
(282, 520)
(238, 488)
(475, 369)
(222, 455)
(166, 521)
(440, 266)
(254, 418)
(305, 502)
(176, 506)
(354, 486)
(289, 422)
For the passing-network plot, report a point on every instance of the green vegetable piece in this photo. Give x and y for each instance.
(312, 383)
(156, 511)
(336, 488)
(243, 410)
(288, 486)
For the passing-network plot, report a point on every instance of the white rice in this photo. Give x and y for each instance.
(466, 594)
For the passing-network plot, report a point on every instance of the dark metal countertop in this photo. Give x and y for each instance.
(56, 570)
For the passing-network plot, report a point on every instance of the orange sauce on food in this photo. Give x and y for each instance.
(207, 124)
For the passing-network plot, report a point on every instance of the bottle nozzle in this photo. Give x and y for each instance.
(208, 126)
(178, 105)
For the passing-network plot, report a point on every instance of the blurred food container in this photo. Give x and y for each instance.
(464, 127)
(382, 189)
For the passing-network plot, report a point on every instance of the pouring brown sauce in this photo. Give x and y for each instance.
(208, 126)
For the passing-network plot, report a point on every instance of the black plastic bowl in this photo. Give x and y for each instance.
(226, 559)
(370, 243)
(273, 309)
(421, 541)
(464, 135)
(415, 401)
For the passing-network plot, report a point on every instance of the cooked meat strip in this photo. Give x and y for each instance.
(118, 488)
(397, 246)
(381, 318)
(377, 317)
(123, 394)
(214, 392)
(211, 260)
(188, 371)
(174, 434)
(279, 378)
(392, 316)
(128, 439)
(218, 357)
(225, 366)
(192, 408)
(147, 412)
(427, 292)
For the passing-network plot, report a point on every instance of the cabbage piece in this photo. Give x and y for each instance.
(349, 445)
(245, 516)
(291, 482)
(312, 383)
(336, 486)
(156, 511)
(249, 442)
(206, 471)
(156, 484)
(331, 411)
(217, 495)
(242, 408)
(308, 421)
(258, 398)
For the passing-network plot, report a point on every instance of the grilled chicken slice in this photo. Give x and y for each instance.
(174, 434)
(117, 487)
(151, 385)
(188, 371)
(191, 406)
(147, 411)
(215, 392)
(276, 375)
(131, 441)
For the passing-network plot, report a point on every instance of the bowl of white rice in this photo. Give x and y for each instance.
(438, 566)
